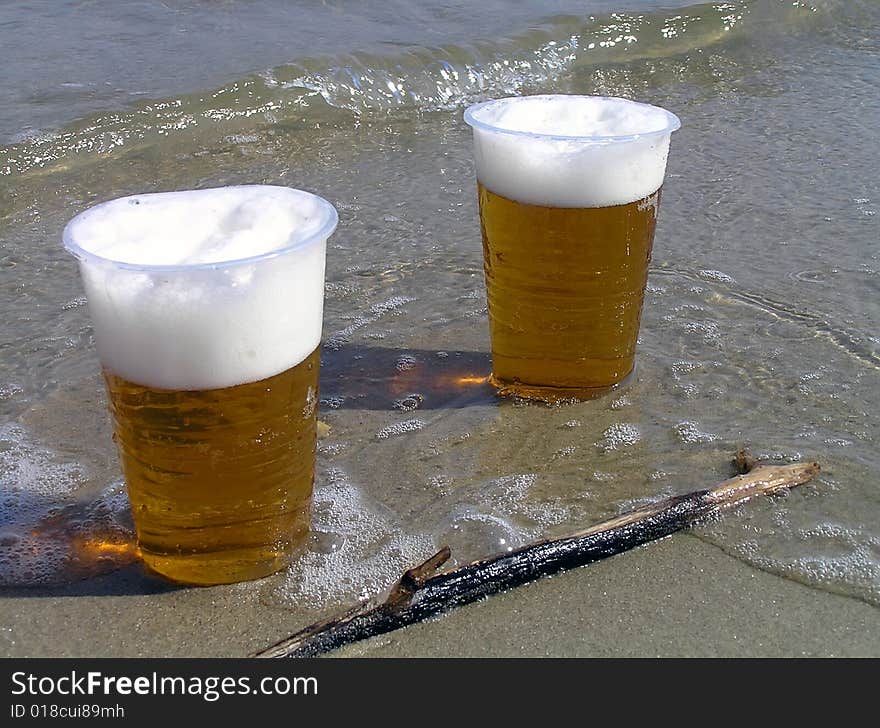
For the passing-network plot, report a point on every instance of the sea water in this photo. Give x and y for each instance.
(761, 315)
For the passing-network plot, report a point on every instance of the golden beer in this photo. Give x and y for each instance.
(565, 288)
(220, 480)
(207, 310)
(569, 189)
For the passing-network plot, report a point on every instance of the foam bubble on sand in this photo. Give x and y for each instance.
(571, 151)
(399, 428)
(471, 530)
(232, 320)
(410, 402)
(42, 524)
(690, 433)
(9, 390)
(488, 517)
(832, 556)
(340, 338)
(618, 436)
(25, 467)
(716, 275)
(360, 551)
(406, 362)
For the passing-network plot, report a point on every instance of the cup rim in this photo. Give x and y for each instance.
(329, 224)
(470, 118)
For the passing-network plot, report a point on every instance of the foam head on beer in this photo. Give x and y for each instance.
(204, 289)
(571, 151)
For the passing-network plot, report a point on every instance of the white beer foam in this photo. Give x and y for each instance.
(571, 151)
(204, 289)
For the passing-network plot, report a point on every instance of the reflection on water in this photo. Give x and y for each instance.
(759, 326)
(381, 378)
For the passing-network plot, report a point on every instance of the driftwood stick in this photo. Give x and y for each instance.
(422, 591)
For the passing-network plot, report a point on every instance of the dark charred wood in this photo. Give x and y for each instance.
(422, 592)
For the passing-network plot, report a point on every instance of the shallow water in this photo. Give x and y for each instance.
(760, 324)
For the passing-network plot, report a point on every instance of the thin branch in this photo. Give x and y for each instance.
(422, 591)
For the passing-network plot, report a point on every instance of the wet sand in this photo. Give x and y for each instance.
(655, 601)
(759, 329)
(679, 597)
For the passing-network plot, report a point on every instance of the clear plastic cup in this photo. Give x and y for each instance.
(569, 191)
(207, 311)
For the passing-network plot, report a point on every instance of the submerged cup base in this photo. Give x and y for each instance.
(221, 567)
(555, 395)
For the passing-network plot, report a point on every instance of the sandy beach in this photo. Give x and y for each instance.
(679, 597)
(759, 329)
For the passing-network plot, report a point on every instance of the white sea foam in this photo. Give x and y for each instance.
(42, 518)
(571, 151)
(204, 289)
(358, 549)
